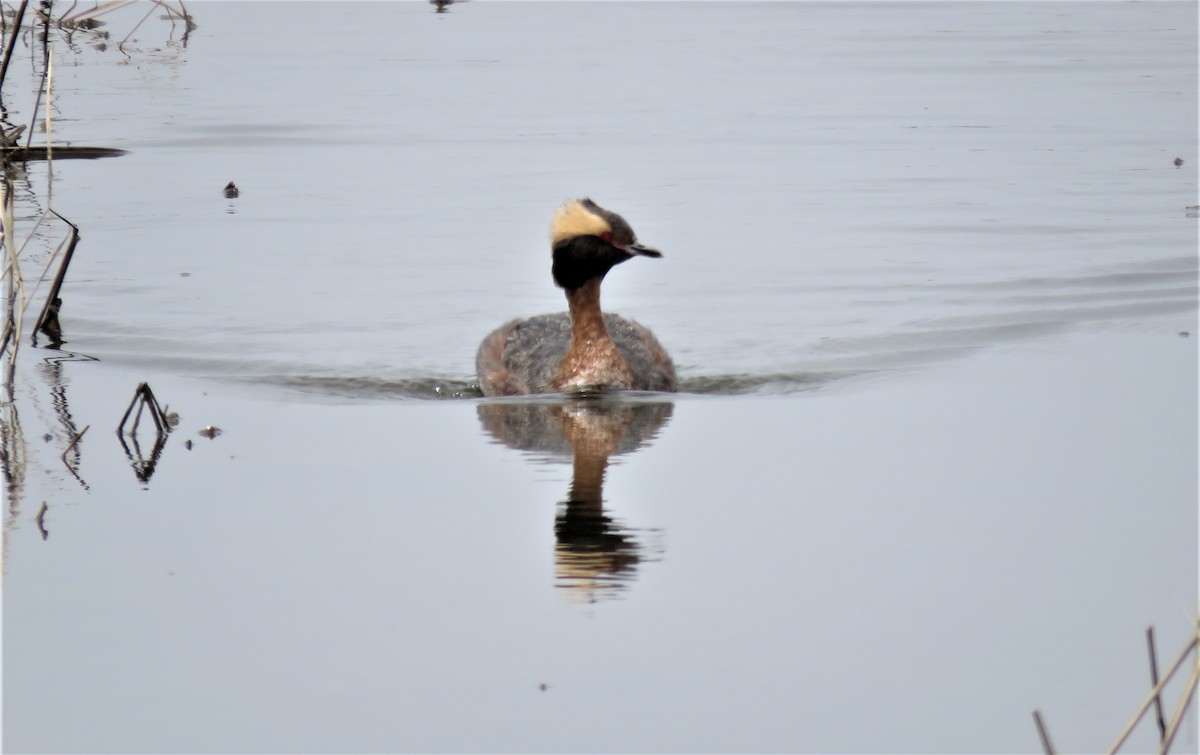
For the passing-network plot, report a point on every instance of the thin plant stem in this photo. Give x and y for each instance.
(71, 445)
(1158, 707)
(1043, 734)
(14, 287)
(54, 256)
(1181, 710)
(37, 102)
(1141, 711)
(121, 46)
(99, 10)
(49, 133)
(56, 286)
(12, 40)
(143, 397)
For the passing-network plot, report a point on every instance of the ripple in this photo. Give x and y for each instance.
(368, 387)
(441, 388)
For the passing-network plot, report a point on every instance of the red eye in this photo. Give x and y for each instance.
(607, 236)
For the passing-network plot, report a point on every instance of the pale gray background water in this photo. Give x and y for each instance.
(959, 222)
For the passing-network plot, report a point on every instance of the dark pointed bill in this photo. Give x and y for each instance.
(645, 251)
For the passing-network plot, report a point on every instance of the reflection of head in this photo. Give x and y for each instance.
(594, 555)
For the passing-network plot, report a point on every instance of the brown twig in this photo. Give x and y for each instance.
(144, 397)
(53, 302)
(1047, 745)
(71, 445)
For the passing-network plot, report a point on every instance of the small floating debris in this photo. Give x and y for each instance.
(1184, 334)
(1193, 211)
(231, 191)
(1178, 162)
(210, 431)
(41, 521)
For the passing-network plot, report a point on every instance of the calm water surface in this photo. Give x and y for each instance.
(929, 279)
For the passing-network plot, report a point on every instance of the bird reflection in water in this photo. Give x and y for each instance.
(595, 556)
(442, 6)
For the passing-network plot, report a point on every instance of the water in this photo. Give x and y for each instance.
(984, 162)
(928, 270)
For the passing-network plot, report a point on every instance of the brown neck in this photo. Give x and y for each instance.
(594, 436)
(587, 321)
(592, 358)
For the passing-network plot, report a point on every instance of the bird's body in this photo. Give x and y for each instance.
(583, 348)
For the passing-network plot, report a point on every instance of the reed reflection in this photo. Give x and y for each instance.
(595, 555)
(56, 380)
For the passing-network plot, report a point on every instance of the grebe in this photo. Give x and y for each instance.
(583, 348)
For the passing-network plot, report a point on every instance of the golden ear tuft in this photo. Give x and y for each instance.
(575, 219)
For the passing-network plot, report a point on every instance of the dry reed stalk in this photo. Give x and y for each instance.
(1155, 693)
(37, 102)
(144, 397)
(13, 286)
(99, 9)
(1180, 710)
(28, 299)
(47, 321)
(12, 41)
